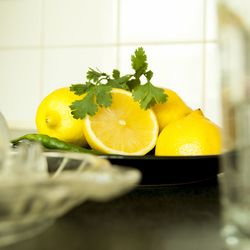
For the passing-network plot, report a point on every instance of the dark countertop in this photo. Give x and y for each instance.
(172, 218)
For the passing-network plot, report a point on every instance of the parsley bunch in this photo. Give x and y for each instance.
(99, 85)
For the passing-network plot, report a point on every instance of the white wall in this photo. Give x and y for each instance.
(47, 44)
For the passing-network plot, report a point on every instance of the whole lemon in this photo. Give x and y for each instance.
(53, 117)
(173, 109)
(193, 134)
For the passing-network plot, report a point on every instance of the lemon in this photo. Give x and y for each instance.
(197, 112)
(53, 117)
(173, 109)
(193, 134)
(123, 128)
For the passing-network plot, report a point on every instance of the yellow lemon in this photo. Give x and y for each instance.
(197, 112)
(123, 128)
(53, 117)
(173, 109)
(193, 134)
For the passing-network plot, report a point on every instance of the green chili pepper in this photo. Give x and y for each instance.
(54, 143)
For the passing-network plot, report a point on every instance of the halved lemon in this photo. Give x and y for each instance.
(123, 128)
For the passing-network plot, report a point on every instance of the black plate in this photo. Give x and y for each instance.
(160, 170)
(170, 170)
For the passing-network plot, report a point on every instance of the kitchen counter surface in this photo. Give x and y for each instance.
(173, 218)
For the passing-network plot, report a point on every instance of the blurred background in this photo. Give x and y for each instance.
(48, 44)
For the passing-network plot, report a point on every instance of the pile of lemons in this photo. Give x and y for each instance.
(171, 128)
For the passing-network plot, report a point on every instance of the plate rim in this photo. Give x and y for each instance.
(153, 157)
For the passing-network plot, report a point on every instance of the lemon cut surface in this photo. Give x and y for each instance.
(123, 128)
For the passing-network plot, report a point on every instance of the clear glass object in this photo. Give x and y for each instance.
(37, 187)
(234, 44)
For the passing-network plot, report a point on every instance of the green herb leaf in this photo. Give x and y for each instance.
(96, 75)
(149, 75)
(148, 95)
(139, 62)
(93, 75)
(85, 106)
(133, 83)
(115, 84)
(99, 85)
(120, 80)
(103, 95)
(78, 89)
(116, 73)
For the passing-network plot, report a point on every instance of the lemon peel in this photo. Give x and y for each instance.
(53, 117)
(193, 134)
(173, 109)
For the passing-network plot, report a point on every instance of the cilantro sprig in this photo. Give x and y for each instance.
(98, 87)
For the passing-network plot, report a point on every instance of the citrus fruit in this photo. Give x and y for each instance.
(53, 117)
(193, 134)
(173, 109)
(123, 128)
(197, 112)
